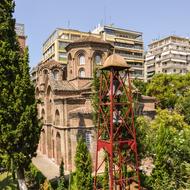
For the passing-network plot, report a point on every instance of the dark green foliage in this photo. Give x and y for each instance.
(61, 169)
(34, 177)
(83, 165)
(19, 126)
(61, 181)
(95, 96)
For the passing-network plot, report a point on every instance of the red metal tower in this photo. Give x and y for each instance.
(116, 132)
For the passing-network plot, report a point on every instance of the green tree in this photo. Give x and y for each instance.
(140, 85)
(19, 126)
(83, 165)
(183, 106)
(166, 141)
(168, 88)
(106, 175)
(61, 182)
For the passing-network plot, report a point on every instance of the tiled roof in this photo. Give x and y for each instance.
(116, 61)
(61, 85)
(50, 63)
(87, 39)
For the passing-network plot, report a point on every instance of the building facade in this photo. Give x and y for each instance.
(169, 55)
(127, 43)
(54, 46)
(65, 106)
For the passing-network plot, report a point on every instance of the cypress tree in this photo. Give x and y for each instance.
(19, 126)
(83, 165)
(61, 182)
(106, 175)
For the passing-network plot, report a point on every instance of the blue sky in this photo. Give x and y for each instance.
(155, 18)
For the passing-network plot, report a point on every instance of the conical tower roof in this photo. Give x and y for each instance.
(115, 61)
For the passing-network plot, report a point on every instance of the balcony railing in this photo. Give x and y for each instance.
(131, 56)
(172, 65)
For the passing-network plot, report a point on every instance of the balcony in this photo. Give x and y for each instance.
(150, 69)
(173, 65)
(128, 56)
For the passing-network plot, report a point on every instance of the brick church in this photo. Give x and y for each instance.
(64, 92)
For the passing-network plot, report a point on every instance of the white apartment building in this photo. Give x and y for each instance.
(169, 55)
(128, 44)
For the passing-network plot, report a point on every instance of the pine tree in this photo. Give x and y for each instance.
(19, 126)
(83, 165)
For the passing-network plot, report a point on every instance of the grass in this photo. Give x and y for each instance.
(6, 182)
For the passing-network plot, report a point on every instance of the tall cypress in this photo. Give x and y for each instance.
(83, 165)
(19, 125)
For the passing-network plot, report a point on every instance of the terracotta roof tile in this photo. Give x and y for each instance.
(87, 39)
(61, 85)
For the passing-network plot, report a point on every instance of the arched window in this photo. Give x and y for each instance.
(58, 148)
(81, 59)
(43, 115)
(98, 59)
(55, 74)
(45, 74)
(57, 118)
(37, 92)
(81, 72)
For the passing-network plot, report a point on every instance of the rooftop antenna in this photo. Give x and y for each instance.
(105, 21)
(68, 24)
(111, 23)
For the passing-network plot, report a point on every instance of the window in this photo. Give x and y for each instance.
(43, 115)
(45, 74)
(75, 37)
(65, 36)
(62, 45)
(81, 72)
(55, 74)
(62, 56)
(81, 59)
(57, 118)
(97, 60)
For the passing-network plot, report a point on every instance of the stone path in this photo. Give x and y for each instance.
(46, 166)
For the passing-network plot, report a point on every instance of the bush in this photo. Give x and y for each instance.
(34, 177)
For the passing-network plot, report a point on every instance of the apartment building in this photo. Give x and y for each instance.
(127, 43)
(169, 55)
(19, 29)
(54, 46)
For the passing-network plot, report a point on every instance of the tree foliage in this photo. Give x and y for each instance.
(61, 181)
(168, 88)
(106, 175)
(83, 165)
(166, 140)
(183, 106)
(140, 85)
(19, 126)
